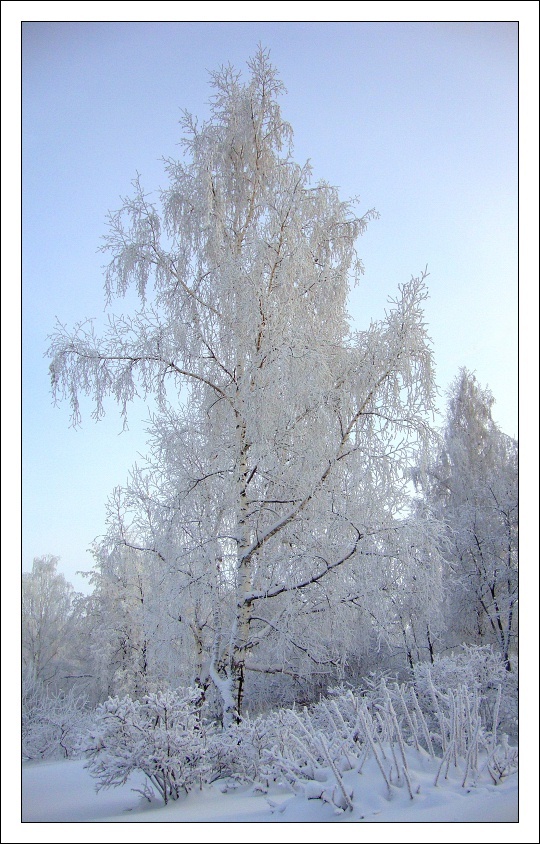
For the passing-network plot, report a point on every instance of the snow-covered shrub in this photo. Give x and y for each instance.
(480, 669)
(311, 757)
(321, 752)
(238, 752)
(161, 735)
(52, 721)
(502, 761)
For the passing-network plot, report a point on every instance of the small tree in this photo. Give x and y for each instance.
(51, 612)
(282, 442)
(118, 630)
(473, 486)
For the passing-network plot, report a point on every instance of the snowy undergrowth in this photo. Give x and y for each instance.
(324, 752)
(406, 739)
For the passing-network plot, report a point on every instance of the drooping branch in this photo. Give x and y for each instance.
(115, 365)
(279, 590)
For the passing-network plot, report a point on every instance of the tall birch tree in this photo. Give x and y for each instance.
(282, 441)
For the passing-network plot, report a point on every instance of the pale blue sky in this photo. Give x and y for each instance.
(418, 120)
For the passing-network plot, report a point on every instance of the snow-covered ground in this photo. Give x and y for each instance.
(61, 798)
(64, 791)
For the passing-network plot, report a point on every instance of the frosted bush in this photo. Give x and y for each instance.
(238, 752)
(319, 753)
(52, 722)
(162, 735)
(311, 760)
(481, 669)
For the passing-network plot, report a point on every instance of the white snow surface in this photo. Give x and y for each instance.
(61, 798)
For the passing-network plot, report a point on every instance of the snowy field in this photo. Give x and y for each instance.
(63, 793)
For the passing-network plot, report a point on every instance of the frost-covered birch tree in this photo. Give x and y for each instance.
(282, 441)
(119, 628)
(473, 487)
(50, 626)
